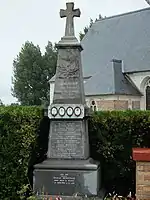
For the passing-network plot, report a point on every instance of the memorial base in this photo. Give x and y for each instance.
(53, 197)
(68, 178)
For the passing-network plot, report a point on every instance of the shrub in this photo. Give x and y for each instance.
(18, 126)
(112, 137)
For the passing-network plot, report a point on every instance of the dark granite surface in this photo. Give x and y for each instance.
(68, 139)
(57, 177)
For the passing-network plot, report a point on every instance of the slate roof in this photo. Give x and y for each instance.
(110, 80)
(125, 37)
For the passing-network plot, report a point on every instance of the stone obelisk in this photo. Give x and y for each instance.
(68, 169)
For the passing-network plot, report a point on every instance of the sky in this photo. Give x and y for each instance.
(38, 21)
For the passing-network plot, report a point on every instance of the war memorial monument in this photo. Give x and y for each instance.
(68, 169)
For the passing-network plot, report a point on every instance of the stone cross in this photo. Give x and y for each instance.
(70, 13)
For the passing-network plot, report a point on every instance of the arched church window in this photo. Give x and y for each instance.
(93, 106)
(148, 97)
(93, 103)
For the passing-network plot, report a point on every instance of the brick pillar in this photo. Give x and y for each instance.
(142, 158)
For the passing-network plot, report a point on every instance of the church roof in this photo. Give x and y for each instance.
(125, 37)
(110, 80)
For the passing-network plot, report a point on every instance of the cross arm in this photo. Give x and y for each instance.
(62, 13)
(76, 13)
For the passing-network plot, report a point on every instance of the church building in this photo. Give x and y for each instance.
(116, 62)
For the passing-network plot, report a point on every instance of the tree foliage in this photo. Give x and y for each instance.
(85, 30)
(82, 34)
(1, 103)
(32, 71)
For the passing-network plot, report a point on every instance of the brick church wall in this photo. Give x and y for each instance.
(114, 102)
(135, 105)
(112, 105)
(105, 104)
(120, 105)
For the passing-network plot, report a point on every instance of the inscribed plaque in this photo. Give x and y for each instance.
(66, 139)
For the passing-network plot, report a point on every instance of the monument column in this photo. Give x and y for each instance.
(68, 169)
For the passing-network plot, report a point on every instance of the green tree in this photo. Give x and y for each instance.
(85, 30)
(49, 64)
(31, 72)
(81, 35)
(1, 103)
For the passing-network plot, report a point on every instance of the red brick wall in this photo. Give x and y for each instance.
(105, 104)
(135, 105)
(112, 105)
(143, 180)
(121, 105)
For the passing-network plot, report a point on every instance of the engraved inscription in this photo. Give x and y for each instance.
(64, 179)
(69, 88)
(66, 139)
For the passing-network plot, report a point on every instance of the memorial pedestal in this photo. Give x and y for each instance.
(68, 177)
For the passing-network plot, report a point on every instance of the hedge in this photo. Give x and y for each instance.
(112, 136)
(18, 126)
